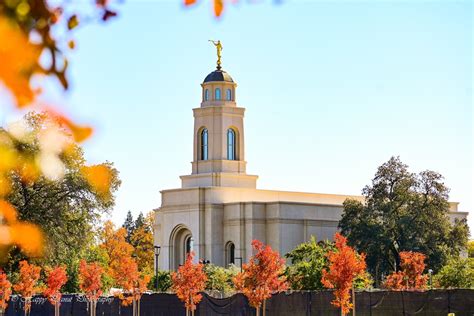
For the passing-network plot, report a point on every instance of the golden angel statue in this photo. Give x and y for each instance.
(219, 50)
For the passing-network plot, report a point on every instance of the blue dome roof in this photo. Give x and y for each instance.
(218, 75)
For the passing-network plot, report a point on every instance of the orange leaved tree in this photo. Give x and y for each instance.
(345, 264)
(411, 275)
(5, 291)
(133, 285)
(27, 283)
(262, 276)
(90, 282)
(117, 248)
(126, 276)
(55, 281)
(188, 282)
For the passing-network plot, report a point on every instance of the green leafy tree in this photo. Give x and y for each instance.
(470, 249)
(164, 281)
(307, 262)
(220, 279)
(363, 281)
(403, 211)
(457, 273)
(67, 209)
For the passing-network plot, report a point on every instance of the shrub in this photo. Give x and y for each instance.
(457, 273)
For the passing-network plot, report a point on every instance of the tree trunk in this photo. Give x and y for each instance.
(264, 308)
(27, 305)
(93, 308)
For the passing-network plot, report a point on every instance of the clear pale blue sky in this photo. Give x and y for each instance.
(332, 90)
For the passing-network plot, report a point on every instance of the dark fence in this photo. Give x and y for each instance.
(382, 303)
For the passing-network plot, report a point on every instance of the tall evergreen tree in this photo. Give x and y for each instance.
(129, 226)
(140, 221)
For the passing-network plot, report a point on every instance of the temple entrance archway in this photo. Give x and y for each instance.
(181, 243)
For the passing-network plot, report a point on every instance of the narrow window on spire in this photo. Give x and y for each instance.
(206, 95)
(231, 144)
(218, 94)
(228, 95)
(204, 144)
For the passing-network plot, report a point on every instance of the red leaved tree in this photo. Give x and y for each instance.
(188, 282)
(5, 291)
(262, 276)
(345, 264)
(411, 276)
(55, 281)
(90, 283)
(27, 283)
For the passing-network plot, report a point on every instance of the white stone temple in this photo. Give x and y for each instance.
(218, 210)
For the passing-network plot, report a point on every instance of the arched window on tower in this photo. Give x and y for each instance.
(206, 95)
(228, 95)
(217, 94)
(230, 253)
(231, 144)
(204, 144)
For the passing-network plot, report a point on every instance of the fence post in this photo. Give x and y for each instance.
(403, 301)
(353, 301)
(449, 301)
(308, 304)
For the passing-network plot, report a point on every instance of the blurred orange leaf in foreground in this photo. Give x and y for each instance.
(79, 133)
(19, 60)
(218, 6)
(99, 177)
(7, 212)
(22, 234)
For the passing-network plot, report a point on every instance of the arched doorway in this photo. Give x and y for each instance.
(181, 242)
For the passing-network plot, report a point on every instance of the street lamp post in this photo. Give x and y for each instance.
(157, 256)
